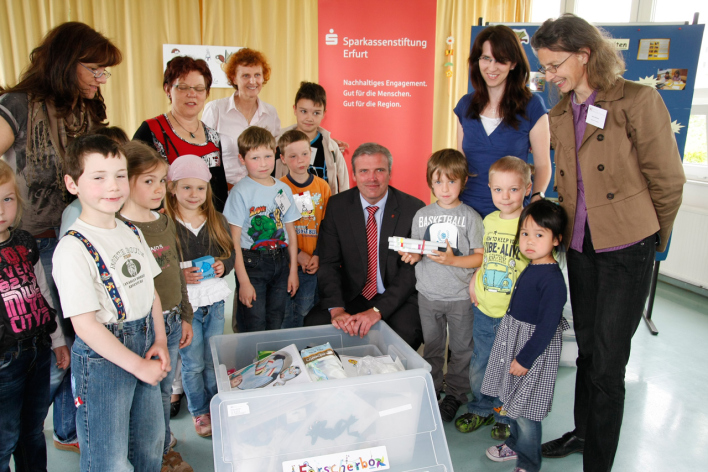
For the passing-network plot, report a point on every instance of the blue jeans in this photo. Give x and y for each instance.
(60, 383)
(173, 329)
(198, 376)
(60, 393)
(24, 402)
(608, 291)
(268, 272)
(307, 296)
(119, 419)
(525, 440)
(483, 332)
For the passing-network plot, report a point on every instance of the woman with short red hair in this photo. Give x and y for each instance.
(187, 83)
(248, 71)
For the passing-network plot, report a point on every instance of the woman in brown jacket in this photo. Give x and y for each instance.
(620, 179)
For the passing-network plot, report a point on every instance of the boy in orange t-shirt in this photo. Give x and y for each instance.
(311, 194)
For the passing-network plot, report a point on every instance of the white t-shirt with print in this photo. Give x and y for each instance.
(130, 263)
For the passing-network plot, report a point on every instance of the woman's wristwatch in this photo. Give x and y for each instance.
(540, 194)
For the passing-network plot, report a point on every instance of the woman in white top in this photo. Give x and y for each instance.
(247, 71)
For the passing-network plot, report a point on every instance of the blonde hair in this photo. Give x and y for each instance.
(7, 175)
(515, 165)
(217, 233)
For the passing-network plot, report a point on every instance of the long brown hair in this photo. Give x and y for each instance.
(217, 233)
(506, 48)
(571, 33)
(51, 74)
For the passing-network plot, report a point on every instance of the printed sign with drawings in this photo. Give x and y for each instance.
(371, 459)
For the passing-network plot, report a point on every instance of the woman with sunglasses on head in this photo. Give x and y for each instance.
(179, 132)
(57, 99)
(620, 179)
(501, 117)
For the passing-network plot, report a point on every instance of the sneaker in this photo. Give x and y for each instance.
(501, 453)
(471, 422)
(72, 447)
(173, 440)
(519, 469)
(448, 408)
(173, 462)
(500, 431)
(202, 425)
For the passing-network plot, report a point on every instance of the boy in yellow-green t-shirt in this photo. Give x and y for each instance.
(491, 287)
(311, 194)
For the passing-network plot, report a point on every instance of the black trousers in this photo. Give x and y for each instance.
(405, 321)
(607, 293)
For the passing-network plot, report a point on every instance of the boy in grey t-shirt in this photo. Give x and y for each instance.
(443, 277)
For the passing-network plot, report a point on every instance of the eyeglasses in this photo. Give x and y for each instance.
(185, 88)
(96, 74)
(490, 60)
(552, 69)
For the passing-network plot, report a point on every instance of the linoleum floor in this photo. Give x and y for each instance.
(665, 422)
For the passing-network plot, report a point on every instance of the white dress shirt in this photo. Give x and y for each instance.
(223, 116)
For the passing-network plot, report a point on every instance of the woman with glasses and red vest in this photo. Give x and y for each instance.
(180, 132)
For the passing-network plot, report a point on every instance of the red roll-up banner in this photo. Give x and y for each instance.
(377, 64)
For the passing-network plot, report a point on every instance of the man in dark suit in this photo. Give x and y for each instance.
(360, 280)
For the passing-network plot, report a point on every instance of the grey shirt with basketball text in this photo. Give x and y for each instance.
(463, 227)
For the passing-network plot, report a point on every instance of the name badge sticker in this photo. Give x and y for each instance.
(238, 409)
(282, 201)
(596, 116)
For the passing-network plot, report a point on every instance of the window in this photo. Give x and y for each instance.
(604, 11)
(695, 155)
(673, 11)
(695, 162)
(541, 10)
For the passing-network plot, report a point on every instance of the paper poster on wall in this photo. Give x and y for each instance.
(653, 49)
(377, 64)
(671, 79)
(215, 56)
(537, 82)
(522, 35)
(621, 44)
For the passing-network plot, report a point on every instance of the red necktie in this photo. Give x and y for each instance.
(371, 236)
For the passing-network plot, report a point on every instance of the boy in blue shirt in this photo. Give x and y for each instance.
(261, 213)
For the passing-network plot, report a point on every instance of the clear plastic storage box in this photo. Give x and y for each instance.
(369, 423)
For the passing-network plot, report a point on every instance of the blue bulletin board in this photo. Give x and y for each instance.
(650, 51)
